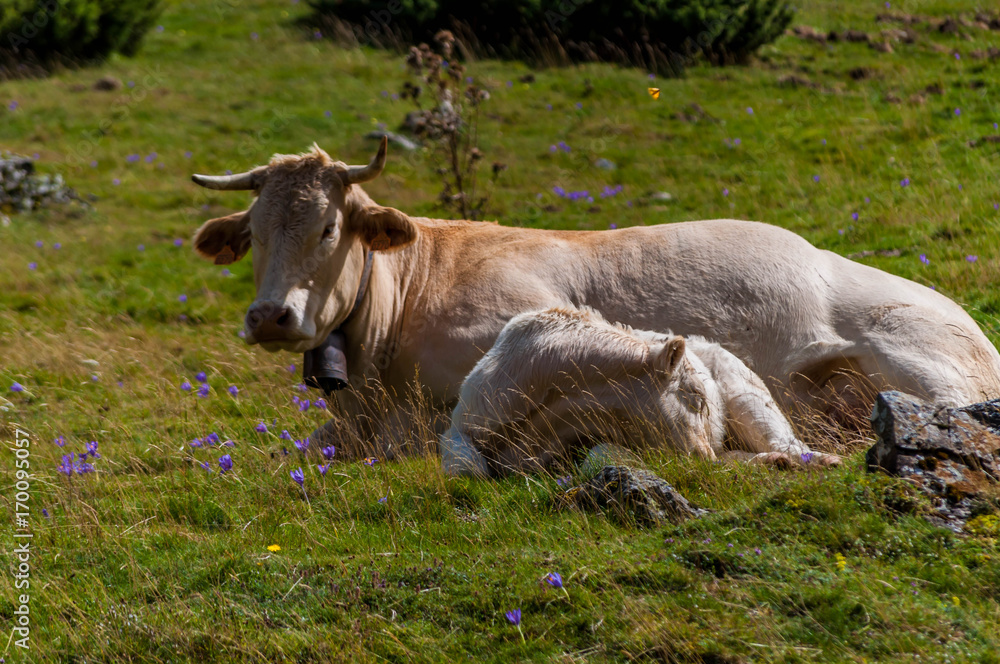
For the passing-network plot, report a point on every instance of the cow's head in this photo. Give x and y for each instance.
(685, 398)
(310, 229)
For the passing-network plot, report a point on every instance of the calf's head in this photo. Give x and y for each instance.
(682, 397)
(310, 228)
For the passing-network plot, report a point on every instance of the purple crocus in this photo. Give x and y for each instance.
(328, 451)
(229, 443)
(196, 442)
(92, 449)
(298, 476)
(201, 377)
(186, 386)
(815, 178)
(383, 499)
(304, 404)
(225, 463)
(33, 265)
(302, 445)
(514, 617)
(924, 259)
(17, 387)
(905, 182)
(206, 466)
(554, 579)
(66, 467)
(60, 441)
(563, 482)
(45, 513)
(323, 468)
(971, 258)
(371, 461)
(807, 457)
(39, 244)
(291, 368)
(854, 216)
(302, 387)
(260, 428)
(320, 403)
(750, 110)
(212, 438)
(57, 245)
(178, 242)
(203, 391)
(233, 391)
(182, 298)
(285, 435)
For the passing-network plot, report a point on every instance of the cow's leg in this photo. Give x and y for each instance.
(459, 456)
(753, 418)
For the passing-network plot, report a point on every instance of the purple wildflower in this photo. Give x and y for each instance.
(150, 157)
(57, 246)
(302, 387)
(383, 499)
(203, 391)
(304, 405)
(815, 178)
(323, 468)
(514, 617)
(958, 111)
(320, 403)
(924, 259)
(284, 435)
(261, 428)
(563, 482)
(132, 158)
(229, 443)
(45, 513)
(371, 461)
(39, 244)
(182, 298)
(750, 110)
(725, 191)
(905, 182)
(17, 387)
(178, 242)
(225, 463)
(579, 105)
(225, 272)
(807, 457)
(32, 265)
(302, 445)
(212, 438)
(757, 551)
(66, 467)
(60, 441)
(186, 386)
(141, 247)
(854, 216)
(298, 476)
(206, 466)
(971, 258)
(291, 368)
(233, 391)
(254, 36)
(92, 449)
(196, 442)
(201, 377)
(548, 107)
(328, 451)
(554, 579)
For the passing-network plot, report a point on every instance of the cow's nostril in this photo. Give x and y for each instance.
(282, 319)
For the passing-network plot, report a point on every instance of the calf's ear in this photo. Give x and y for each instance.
(224, 240)
(669, 357)
(383, 228)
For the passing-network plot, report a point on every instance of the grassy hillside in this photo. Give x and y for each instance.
(152, 558)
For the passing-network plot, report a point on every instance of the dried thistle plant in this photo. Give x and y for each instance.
(447, 117)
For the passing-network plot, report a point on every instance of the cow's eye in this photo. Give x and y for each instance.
(327, 232)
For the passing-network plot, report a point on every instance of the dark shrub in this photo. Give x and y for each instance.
(656, 33)
(45, 32)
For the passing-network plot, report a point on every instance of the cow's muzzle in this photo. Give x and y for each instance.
(270, 321)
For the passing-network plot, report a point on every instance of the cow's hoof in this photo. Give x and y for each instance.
(827, 460)
(778, 460)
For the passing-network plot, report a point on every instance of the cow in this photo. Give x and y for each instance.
(420, 301)
(561, 377)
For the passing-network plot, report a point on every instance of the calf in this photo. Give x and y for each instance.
(557, 378)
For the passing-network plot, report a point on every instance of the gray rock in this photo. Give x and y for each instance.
(603, 455)
(394, 138)
(605, 164)
(633, 494)
(950, 454)
(24, 190)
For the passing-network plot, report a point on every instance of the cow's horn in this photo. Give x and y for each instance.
(235, 182)
(359, 174)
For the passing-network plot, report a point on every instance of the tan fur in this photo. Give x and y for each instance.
(793, 313)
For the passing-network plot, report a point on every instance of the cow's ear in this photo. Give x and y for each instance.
(224, 240)
(670, 356)
(383, 228)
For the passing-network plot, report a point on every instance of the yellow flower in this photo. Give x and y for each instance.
(274, 547)
(841, 562)
(956, 601)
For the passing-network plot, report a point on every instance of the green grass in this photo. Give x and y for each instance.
(153, 559)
